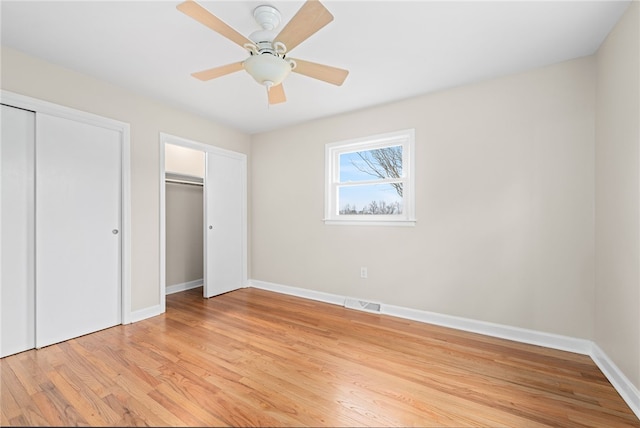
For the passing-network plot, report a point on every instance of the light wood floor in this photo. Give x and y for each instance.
(255, 358)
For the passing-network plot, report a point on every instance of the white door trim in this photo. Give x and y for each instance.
(40, 106)
(195, 145)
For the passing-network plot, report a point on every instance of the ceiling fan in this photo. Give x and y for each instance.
(268, 63)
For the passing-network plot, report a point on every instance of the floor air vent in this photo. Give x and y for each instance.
(362, 305)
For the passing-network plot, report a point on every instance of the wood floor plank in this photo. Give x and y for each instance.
(90, 406)
(81, 363)
(29, 374)
(15, 392)
(188, 406)
(10, 408)
(55, 409)
(256, 358)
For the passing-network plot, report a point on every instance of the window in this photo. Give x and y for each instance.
(370, 180)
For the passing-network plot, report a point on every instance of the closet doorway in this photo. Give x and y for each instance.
(184, 217)
(215, 242)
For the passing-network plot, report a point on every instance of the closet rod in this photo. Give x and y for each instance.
(191, 183)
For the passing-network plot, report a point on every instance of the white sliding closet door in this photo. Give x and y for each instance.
(225, 220)
(17, 237)
(78, 222)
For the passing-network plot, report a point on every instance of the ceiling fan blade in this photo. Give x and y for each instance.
(311, 17)
(333, 75)
(212, 73)
(276, 94)
(203, 16)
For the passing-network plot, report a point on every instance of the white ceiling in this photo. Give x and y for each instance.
(393, 49)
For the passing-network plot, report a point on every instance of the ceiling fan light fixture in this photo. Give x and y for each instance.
(266, 69)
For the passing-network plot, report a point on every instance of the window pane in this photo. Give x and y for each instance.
(372, 199)
(371, 164)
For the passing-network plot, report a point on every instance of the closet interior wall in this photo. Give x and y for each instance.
(184, 218)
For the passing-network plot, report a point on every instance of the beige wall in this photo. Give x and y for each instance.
(32, 77)
(617, 310)
(504, 189)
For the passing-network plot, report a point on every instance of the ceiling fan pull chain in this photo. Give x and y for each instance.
(268, 84)
(268, 103)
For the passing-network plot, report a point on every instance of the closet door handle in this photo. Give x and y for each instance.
(114, 231)
(210, 227)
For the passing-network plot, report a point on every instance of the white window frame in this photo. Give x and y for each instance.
(404, 138)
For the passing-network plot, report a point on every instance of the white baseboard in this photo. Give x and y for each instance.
(299, 292)
(522, 335)
(145, 313)
(175, 288)
(619, 381)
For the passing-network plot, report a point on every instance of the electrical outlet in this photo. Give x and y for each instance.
(363, 272)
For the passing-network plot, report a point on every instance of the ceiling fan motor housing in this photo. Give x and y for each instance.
(267, 16)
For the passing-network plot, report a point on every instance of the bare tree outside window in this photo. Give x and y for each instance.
(373, 208)
(382, 163)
